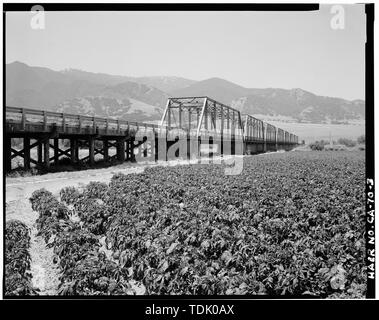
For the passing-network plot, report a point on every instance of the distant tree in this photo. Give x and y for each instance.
(361, 139)
(317, 145)
(323, 142)
(347, 142)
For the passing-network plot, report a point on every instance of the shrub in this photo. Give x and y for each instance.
(17, 260)
(361, 139)
(318, 145)
(46, 204)
(96, 190)
(347, 142)
(69, 195)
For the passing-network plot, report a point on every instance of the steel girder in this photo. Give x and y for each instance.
(254, 129)
(202, 116)
(270, 133)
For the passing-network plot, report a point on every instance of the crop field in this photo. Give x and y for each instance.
(290, 224)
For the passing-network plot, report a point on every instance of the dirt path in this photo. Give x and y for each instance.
(45, 273)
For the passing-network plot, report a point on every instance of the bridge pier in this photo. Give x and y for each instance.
(91, 150)
(120, 147)
(128, 149)
(222, 146)
(132, 156)
(188, 147)
(105, 150)
(46, 154)
(74, 150)
(40, 154)
(8, 154)
(56, 151)
(26, 153)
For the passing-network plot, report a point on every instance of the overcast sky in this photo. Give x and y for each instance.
(252, 49)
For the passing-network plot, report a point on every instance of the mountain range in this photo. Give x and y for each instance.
(144, 98)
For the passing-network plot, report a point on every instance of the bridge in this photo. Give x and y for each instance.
(190, 127)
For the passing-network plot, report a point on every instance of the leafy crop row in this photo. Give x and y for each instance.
(290, 224)
(17, 260)
(85, 270)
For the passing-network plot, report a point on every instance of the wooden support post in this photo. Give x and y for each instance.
(80, 123)
(46, 153)
(132, 155)
(188, 153)
(121, 150)
(26, 153)
(169, 118)
(144, 148)
(39, 153)
(8, 152)
(189, 119)
(56, 151)
(77, 151)
(198, 146)
(106, 150)
(156, 145)
(127, 149)
(91, 150)
(74, 150)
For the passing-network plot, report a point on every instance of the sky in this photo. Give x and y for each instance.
(253, 49)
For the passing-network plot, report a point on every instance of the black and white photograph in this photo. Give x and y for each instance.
(192, 150)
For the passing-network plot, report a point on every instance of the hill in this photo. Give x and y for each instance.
(143, 98)
(296, 104)
(83, 92)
